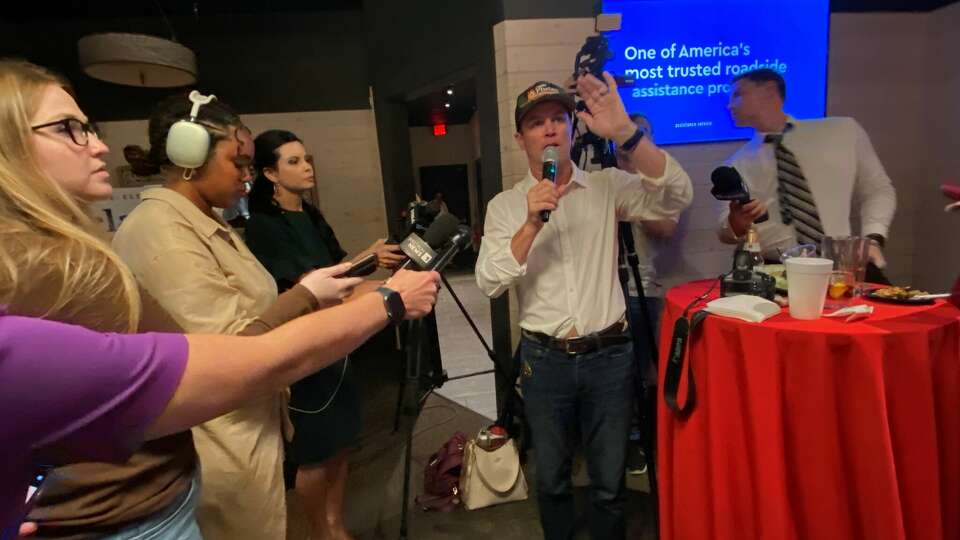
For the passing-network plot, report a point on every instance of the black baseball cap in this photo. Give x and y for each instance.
(541, 92)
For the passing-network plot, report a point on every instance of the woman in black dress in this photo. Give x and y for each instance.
(290, 237)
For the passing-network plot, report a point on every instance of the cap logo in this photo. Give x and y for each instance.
(541, 90)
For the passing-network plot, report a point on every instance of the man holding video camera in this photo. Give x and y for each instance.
(577, 369)
(807, 173)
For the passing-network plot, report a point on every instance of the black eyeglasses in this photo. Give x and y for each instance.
(79, 131)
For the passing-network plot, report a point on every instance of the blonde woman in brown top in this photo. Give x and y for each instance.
(55, 264)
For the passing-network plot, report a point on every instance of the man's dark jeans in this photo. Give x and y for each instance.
(587, 399)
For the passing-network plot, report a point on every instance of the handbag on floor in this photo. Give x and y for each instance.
(441, 476)
(491, 473)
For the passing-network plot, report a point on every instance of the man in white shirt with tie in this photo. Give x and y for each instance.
(578, 371)
(806, 173)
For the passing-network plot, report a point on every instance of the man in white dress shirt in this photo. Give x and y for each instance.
(577, 369)
(806, 173)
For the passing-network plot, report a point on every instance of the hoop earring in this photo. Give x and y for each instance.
(187, 174)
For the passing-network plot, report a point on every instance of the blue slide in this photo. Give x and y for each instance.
(684, 55)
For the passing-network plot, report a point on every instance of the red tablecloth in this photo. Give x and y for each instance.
(815, 429)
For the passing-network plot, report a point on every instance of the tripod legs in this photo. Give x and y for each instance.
(405, 508)
(421, 339)
(647, 406)
(407, 413)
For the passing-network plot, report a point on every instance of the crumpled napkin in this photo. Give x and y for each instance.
(744, 307)
(852, 313)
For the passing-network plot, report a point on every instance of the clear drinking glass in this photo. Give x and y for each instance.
(849, 255)
(801, 250)
(840, 290)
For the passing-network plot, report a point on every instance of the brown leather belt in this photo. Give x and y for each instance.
(615, 334)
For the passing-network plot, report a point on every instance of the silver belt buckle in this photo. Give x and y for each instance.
(574, 342)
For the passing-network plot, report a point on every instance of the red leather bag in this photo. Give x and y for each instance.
(441, 476)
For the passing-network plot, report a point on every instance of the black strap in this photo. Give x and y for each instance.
(684, 334)
(631, 143)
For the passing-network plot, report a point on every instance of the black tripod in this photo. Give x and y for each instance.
(646, 394)
(417, 333)
(628, 265)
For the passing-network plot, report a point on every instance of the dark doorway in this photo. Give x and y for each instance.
(451, 180)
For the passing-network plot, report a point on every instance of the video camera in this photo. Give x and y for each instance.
(417, 217)
(593, 57)
(744, 279)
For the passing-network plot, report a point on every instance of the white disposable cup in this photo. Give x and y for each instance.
(807, 282)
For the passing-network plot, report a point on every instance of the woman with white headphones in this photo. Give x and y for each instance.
(199, 269)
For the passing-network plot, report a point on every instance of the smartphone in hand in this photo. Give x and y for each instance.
(363, 267)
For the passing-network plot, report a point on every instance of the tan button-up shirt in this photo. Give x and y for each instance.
(202, 273)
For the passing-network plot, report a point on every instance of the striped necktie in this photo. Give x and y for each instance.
(797, 206)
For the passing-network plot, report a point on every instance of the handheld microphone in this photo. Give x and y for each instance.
(549, 173)
(458, 241)
(421, 251)
(418, 252)
(728, 186)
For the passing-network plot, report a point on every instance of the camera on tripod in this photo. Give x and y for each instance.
(592, 58)
(417, 217)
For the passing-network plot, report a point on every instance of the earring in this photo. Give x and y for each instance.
(188, 174)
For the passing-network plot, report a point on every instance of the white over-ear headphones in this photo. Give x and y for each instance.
(188, 142)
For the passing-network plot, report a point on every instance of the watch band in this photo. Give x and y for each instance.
(393, 303)
(631, 143)
(878, 238)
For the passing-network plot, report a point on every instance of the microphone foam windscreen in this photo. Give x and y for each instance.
(441, 230)
(726, 178)
(728, 185)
